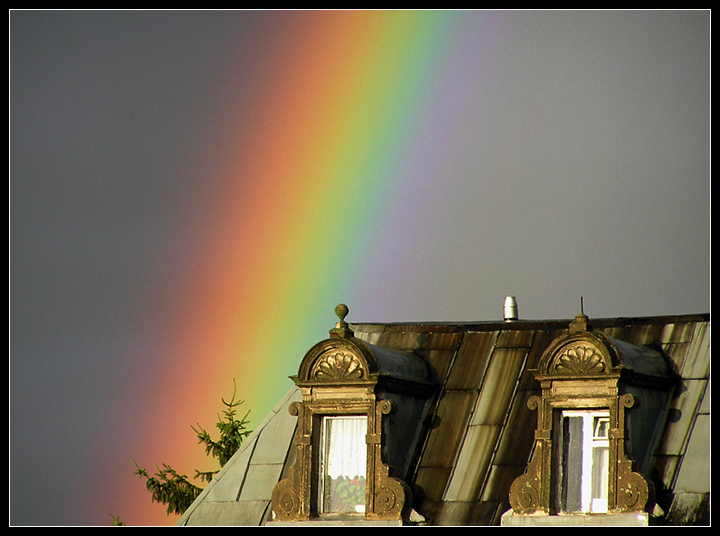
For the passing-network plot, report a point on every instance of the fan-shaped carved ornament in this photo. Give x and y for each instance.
(337, 366)
(579, 359)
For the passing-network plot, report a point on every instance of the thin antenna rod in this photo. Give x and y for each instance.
(582, 308)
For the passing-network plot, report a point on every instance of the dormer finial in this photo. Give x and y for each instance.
(581, 321)
(341, 329)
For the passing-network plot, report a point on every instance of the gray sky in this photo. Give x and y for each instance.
(561, 154)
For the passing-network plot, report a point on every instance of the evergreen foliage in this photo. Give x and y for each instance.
(169, 487)
(116, 521)
(173, 489)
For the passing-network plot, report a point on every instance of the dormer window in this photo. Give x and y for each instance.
(598, 395)
(353, 450)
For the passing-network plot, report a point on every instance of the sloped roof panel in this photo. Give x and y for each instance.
(240, 492)
(470, 364)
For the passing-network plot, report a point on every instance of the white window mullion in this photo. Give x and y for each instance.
(587, 462)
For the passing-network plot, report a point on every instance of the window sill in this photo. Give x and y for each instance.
(577, 520)
(340, 520)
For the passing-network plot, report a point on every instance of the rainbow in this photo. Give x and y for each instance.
(350, 122)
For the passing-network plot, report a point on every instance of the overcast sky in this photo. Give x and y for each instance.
(576, 163)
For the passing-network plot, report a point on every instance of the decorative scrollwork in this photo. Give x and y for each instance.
(525, 495)
(385, 407)
(337, 366)
(286, 502)
(627, 400)
(632, 492)
(385, 500)
(392, 497)
(579, 359)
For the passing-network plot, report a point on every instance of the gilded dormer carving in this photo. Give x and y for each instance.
(347, 383)
(340, 366)
(583, 406)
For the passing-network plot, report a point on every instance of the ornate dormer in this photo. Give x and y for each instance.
(353, 452)
(598, 394)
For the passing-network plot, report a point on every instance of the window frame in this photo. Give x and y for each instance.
(589, 443)
(321, 474)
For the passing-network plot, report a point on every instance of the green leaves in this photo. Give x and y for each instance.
(346, 493)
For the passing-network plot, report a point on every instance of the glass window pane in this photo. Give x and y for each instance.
(599, 479)
(572, 464)
(601, 427)
(344, 462)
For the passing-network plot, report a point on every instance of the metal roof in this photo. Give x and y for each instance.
(482, 431)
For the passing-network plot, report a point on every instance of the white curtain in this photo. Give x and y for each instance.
(346, 453)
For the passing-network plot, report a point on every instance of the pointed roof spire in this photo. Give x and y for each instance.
(341, 329)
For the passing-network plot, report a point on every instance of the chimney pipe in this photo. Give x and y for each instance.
(510, 309)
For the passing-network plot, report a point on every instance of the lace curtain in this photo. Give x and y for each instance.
(346, 451)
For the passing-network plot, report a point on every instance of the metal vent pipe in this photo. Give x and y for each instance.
(510, 309)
